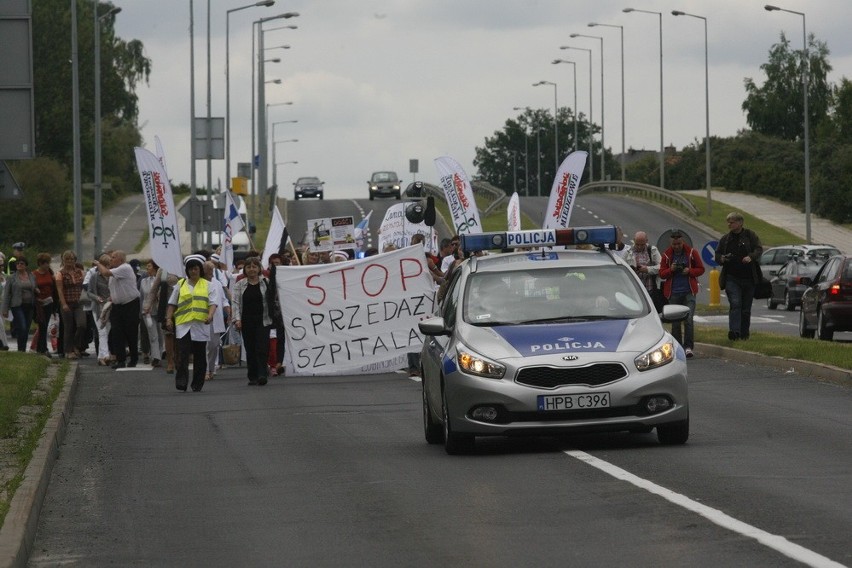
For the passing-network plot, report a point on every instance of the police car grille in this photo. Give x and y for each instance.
(552, 377)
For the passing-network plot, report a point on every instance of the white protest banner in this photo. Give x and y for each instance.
(513, 212)
(397, 230)
(331, 233)
(162, 217)
(357, 317)
(459, 194)
(563, 193)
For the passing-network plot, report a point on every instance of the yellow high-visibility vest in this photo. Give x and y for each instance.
(193, 304)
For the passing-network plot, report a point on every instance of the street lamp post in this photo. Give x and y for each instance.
(555, 125)
(662, 142)
(706, 106)
(623, 155)
(574, 65)
(262, 166)
(75, 127)
(98, 143)
(805, 73)
(591, 111)
(603, 128)
(275, 166)
(228, 84)
(526, 157)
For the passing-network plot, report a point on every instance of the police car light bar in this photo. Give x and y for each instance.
(600, 235)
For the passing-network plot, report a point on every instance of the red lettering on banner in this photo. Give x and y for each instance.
(403, 262)
(161, 195)
(458, 183)
(384, 279)
(560, 195)
(309, 284)
(342, 272)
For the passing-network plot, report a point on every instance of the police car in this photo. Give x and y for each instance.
(546, 341)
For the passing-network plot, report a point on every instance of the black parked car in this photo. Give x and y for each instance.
(827, 302)
(308, 187)
(788, 285)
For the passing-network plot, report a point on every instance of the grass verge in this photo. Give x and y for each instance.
(20, 375)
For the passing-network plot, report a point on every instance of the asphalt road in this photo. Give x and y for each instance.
(335, 472)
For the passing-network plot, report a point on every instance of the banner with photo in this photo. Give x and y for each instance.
(355, 318)
(163, 231)
(331, 233)
(459, 195)
(563, 193)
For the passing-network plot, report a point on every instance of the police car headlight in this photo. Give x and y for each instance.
(475, 364)
(657, 357)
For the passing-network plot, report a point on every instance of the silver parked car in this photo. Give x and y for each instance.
(774, 258)
(545, 341)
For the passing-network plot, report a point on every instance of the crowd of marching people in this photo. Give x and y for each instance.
(126, 312)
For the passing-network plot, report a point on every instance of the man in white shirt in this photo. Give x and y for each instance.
(124, 314)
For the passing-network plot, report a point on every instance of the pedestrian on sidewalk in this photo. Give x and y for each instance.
(19, 297)
(124, 314)
(189, 315)
(69, 286)
(738, 253)
(250, 309)
(680, 267)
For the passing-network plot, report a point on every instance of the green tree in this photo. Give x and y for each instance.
(41, 218)
(776, 108)
(526, 143)
(123, 67)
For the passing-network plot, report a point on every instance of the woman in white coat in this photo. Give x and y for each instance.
(219, 296)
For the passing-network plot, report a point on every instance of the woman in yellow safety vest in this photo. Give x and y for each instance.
(189, 314)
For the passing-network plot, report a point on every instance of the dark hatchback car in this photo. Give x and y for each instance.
(308, 187)
(384, 184)
(827, 302)
(788, 284)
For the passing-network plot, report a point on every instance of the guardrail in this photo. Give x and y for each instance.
(643, 189)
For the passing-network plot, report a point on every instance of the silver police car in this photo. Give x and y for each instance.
(550, 341)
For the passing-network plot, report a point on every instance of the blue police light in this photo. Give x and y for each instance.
(602, 235)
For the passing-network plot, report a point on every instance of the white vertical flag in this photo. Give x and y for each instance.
(274, 237)
(161, 155)
(513, 211)
(162, 217)
(232, 224)
(563, 193)
(459, 194)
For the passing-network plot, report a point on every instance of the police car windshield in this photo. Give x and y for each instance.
(551, 295)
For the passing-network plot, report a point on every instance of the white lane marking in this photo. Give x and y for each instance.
(775, 542)
(120, 227)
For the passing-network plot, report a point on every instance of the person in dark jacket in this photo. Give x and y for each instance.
(738, 253)
(680, 267)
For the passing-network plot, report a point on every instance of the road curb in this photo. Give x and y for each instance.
(19, 529)
(819, 371)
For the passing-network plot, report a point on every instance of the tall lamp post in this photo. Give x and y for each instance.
(98, 143)
(555, 125)
(228, 84)
(662, 142)
(262, 166)
(555, 62)
(603, 128)
(526, 156)
(805, 73)
(591, 110)
(274, 195)
(623, 155)
(706, 106)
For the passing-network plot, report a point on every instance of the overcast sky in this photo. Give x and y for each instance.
(375, 83)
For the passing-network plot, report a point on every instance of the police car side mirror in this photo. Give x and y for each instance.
(674, 312)
(433, 326)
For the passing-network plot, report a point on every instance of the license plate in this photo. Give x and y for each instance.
(551, 402)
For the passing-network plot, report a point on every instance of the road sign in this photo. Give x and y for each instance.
(708, 254)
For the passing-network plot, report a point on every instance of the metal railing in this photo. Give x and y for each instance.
(642, 189)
